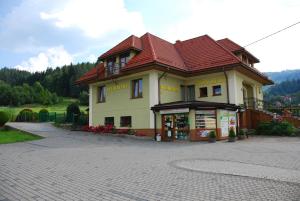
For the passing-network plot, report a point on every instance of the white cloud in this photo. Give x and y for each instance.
(53, 57)
(245, 22)
(96, 18)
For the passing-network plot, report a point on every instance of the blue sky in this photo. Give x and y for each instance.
(36, 34)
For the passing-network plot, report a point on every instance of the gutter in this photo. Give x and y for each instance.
(227, 87)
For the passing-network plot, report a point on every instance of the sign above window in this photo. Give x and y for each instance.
(175, 111)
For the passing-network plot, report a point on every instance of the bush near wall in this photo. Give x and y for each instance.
(43, 115)
(27, 115)
(3, 118)
(275, 128)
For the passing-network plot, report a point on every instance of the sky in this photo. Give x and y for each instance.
(36, 34)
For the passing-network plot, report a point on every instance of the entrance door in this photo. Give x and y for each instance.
(175, 127)
(168, 127)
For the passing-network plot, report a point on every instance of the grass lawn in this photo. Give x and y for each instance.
(59, 108)
(11, 136)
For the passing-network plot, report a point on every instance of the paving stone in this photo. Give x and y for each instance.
(77, 166)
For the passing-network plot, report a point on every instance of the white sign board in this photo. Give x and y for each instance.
(224, 123)
(175, 111)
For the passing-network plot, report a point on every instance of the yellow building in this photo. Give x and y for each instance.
(179, 91)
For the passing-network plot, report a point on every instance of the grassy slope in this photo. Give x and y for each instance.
(58, 108)
(11, 136)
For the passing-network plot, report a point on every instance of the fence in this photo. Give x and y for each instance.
(81, 119)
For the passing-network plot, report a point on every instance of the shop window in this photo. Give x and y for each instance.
(101, 94)
(137, 88)
(125, 121)
(205, 119)
(203, 92)
(124, 59)
(217, 91)
(109, 121)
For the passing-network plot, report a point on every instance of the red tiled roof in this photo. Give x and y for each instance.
(197, 54)
(132, 42)
(229, 44)
(97, 71)
(203, 52)
(156, 49)
(233, 47)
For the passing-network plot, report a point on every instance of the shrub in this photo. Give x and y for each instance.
(43, 115)
(73, 113)
(26, 115)
(212, 134)
(3, 118)
(275, 128)
(231, 133)
(241, 133)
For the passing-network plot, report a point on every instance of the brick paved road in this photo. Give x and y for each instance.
(80, 166)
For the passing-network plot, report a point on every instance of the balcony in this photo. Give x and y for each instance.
(114, 69)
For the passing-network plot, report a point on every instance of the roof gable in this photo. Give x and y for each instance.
(132, 42)
(156, 49)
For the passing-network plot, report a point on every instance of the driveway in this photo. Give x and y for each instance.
(82, 166)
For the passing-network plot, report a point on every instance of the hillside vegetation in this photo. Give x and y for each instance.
(22, 87)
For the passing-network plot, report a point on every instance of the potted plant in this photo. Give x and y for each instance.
(241, 135)
(212, 136)
(231, 136)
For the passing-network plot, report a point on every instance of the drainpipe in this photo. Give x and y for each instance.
(155, 129)
(159, 86)
(227, 87)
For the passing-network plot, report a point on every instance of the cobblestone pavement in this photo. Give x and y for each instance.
(82, 166)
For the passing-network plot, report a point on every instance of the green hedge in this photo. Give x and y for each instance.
(27, 115)
(3, 118)
(275, 128)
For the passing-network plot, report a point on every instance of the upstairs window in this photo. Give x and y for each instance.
(111, 66)
(124, 59)
(187, 93)
(203, 92)
(191, 93)
(101, 94)
(125, 121)
(217, 91)
(137, 88)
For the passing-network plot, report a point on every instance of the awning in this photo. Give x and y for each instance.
(194, 105)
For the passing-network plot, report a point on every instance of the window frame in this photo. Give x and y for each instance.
(129, 125)
(200, 90)
(105, 121)
(101, 89)
(139, 88)
(125, 56)
(213, 88)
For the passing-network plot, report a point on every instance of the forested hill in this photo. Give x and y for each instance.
(287, 85)
(281, 76)
(58, 80)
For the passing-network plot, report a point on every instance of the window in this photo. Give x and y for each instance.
(203, 92)
(137, 88)
(187, 93)
(125, 121)
(205, 119)
(109, 121)
(191, 93)
(124, 59)
(111, 66)
(101, 94)
(183, 92)
(217, 90)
